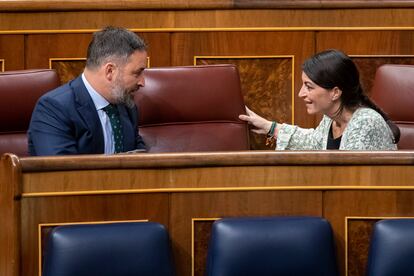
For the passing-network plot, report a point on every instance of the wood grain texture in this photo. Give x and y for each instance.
(39, 48)
(202, 231)
(10, 179)
(235, 204)
(84, 209)
(56, 5)
(368, 42)
(214, 159)
(233, 18)
(12, 52)
(341, 204)
(174, 189)
(359, 238)
(67, 69)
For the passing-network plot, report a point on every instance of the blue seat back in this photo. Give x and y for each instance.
(271, 246)
(138, 248)
(392, 248)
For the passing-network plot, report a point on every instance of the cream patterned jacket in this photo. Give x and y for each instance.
(366, 130)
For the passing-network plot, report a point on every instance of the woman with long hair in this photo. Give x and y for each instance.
(351, 121)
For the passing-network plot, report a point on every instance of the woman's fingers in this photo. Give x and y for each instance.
(244, 118)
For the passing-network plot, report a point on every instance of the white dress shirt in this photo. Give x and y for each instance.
(100, 102)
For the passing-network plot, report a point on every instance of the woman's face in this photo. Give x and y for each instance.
(318, 99)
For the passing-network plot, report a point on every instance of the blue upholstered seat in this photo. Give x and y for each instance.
(271, 246)
(392, 248)
(118, 249)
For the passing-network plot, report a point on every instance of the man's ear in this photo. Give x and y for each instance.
(336, 93)
(110, 71)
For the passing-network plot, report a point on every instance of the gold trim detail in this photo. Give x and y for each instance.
(260, 57)
(347, 218)
(193, 220)
(218, 189)
(247, 29)
(73, 223)
(64, 59)
(2, 61)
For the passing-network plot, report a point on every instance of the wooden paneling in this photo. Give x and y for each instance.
(10, 189)
(178, 189)
(34, 211)
(358, 237)
(375, 203)
(236, 18)
(217, 205)
(159, 49)
(200, 4)
(367, 42)
(12, 52)
(41, 47)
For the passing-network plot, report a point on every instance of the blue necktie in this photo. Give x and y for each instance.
(113, 114)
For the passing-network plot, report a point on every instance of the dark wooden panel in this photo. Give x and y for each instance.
(367, 42)
(56, 5)
(188, 206)
(12, 52)
(358, 237)
(159, 49)
(35, 211)
(185, 46)
(209, 18)
(67, 69)
(42, 47)
(201, 238)
(341, 204)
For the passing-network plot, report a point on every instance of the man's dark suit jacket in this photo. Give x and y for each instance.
(65, 121)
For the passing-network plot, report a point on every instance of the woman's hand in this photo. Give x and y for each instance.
(262, 126)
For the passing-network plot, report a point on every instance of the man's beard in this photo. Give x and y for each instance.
(122, 95)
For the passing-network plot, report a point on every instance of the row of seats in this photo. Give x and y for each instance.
(181, 109)
(238, 246)
(193, 108)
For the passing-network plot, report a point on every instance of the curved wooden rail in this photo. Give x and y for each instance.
(214, 159)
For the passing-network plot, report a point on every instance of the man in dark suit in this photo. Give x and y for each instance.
(94, 113)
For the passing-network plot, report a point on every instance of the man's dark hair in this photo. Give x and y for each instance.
(113, 43)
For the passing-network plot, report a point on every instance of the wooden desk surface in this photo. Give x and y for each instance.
(187, 191)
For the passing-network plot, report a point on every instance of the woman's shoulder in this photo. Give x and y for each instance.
(364, 114)
(367, 112)
(368, 130)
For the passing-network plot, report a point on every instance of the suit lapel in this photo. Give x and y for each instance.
(87, 111)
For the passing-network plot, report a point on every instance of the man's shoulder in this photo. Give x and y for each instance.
(62, 93)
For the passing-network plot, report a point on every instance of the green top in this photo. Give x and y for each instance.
(366, 130)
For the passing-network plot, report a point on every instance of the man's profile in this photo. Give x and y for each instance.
(94, 113)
